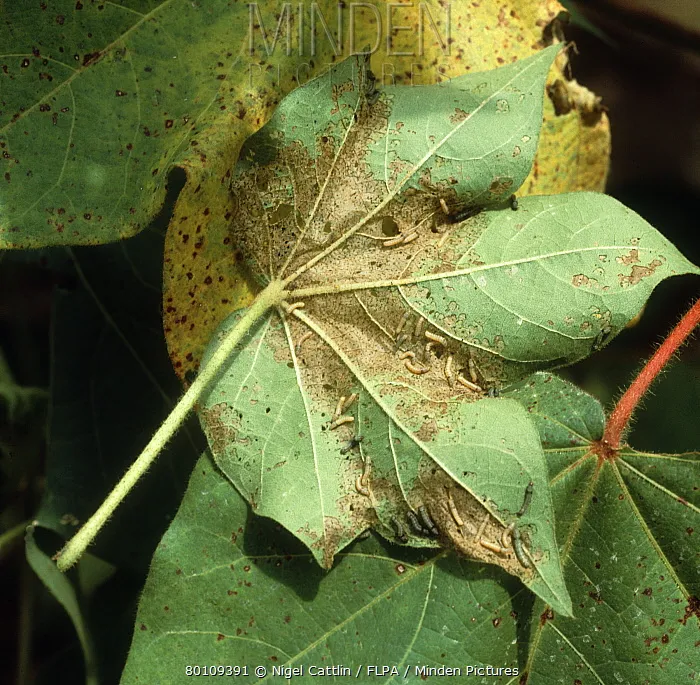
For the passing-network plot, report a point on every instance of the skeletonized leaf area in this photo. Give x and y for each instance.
(375, 403)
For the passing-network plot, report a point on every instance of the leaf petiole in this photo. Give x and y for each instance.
(271, 296)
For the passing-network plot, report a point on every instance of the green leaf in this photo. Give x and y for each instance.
(384, 148)
(563, 414)
(388, 158)
(550, 283)
(60, 586)
(270, 436)
(204, 284)
(365, 244)
(116, 94)
(625, 530)
(225, 583)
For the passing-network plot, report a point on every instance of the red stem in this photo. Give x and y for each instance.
(617, 423)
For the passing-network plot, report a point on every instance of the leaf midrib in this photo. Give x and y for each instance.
(339, 287)
(378, 400)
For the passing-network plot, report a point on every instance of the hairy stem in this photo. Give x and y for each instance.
(73, 550)
(617, 423)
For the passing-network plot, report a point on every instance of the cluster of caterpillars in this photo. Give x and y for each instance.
(452, 216)
(420, 363)
(511, 537)
(419, 521)
(339, 417)
(422, 524)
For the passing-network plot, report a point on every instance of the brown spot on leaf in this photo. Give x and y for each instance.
(458, 116)
(547, 615)
(691, 609)
(638, 273)
(631, 258)
(90, 58)
(500, 186)
(218, 429)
